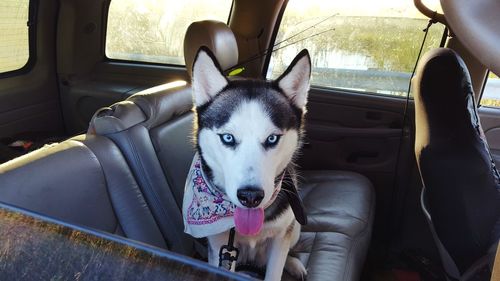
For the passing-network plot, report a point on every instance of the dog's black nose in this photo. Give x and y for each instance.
(250, 196)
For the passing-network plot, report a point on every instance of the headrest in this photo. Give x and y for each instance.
(215, 35)
(116, 118)
(150, 108)
(443, 92)
(162, 103)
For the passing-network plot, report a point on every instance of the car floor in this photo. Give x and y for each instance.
(12, 147)
(408, 264)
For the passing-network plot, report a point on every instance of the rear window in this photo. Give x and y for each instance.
(14, 35)
(153, 30)
(361, 45)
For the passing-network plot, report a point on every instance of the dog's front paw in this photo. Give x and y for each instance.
(295, 267)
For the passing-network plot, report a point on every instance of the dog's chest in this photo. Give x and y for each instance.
(254, 249)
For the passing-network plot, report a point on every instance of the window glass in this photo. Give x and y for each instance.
(34, 247)
(14, 40)
(491, 92)
(153, 30)
(361, 45)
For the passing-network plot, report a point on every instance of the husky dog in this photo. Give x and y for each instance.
(247, 133)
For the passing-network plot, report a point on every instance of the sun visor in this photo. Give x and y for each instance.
(476, 24)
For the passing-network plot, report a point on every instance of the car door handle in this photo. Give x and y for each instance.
(331, 133)
(354, 157)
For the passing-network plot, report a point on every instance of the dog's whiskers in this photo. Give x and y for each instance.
(287, 191)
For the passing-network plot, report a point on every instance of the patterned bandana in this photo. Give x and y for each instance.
(206, 211)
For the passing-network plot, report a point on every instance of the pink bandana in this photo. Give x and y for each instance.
(206, 211)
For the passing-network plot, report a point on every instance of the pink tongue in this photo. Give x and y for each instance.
(249, 221)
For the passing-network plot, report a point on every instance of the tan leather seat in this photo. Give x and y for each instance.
(83, 181)
(340, 209)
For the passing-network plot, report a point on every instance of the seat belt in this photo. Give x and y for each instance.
(479, 267)
(449, 265)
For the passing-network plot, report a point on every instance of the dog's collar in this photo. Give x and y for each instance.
(277, 189)
(296, 203)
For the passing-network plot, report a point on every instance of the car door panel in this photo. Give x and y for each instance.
(29, 100)
(356, 132)
(109, 83)
(348, 131)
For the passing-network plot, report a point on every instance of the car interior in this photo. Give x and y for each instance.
(398, 169)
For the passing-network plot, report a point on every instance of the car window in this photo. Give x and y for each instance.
(491, 91)
(14, 39)
(361, 45)
(34, 247)
(153, 30)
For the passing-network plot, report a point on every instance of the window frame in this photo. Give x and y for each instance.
(480, 97)
(32, 28)
(137, 62)
(274, 35)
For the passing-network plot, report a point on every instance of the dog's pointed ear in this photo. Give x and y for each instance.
(207, 77)
(295, 80)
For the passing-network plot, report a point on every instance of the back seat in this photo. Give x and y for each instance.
(159, 150)
(84, 181)
(339, 204)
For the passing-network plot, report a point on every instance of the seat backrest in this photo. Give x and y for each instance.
(170, 134)
(461, 181)
(129, 128)
(153, 130)
(83, 181)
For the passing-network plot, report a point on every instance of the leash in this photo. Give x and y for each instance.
(228, 253)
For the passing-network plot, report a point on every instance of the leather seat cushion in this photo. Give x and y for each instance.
(340, 208)
(339, 201)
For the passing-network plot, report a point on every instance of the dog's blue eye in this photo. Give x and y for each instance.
(227, 139)
(272, 140)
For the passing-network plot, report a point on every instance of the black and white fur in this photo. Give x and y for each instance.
(253, 112)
